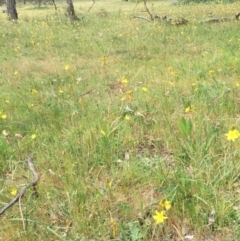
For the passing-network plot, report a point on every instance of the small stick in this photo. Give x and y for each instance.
(86, 93)
(147, 10)
(91, 6)
(142, 18)
(135, 7)
(24, 188)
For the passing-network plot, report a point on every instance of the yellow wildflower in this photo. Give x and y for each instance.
(190, 108)
(123, 98)
(33, 136)
(34, 91)
(114, 228)
(109, 184)
(60, 91)
(170, 69)
(127, 117)
(159, 217)
(13, 192)
(165, 204)
(104, 60)
(232, 135)
(4, 116)
(124, 80)
(144, 89)
(16, 72)
(211, 72)
(102, 132)
(67, 67)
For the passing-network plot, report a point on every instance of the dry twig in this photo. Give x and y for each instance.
(91, 6)
(135, 7)
(142, 17)
(147, 10)
(23, 190)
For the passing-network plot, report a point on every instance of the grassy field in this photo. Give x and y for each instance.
(123, 118)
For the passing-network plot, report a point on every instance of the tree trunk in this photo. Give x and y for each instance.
(54, 4)
(71, 11)
(39, 3)
(11, 9)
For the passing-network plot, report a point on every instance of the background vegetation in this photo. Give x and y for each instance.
(120, 114)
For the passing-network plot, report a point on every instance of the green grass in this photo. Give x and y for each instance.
(64, 83)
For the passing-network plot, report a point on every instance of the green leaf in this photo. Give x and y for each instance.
(185, 126)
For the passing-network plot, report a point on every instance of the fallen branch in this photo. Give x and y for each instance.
(175, 21)
(222, 19)
(142, 18)
(165, 19)
(179, 21)
(23, 190)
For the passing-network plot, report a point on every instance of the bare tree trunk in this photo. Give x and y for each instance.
(71, 11)
(11, 9)
(39, 3)
(54, 4)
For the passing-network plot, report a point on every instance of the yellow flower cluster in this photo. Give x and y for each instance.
(170, 71)
(160, 217)
(104, 60)
(128, 95)
(190, 108)
(124, 80)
